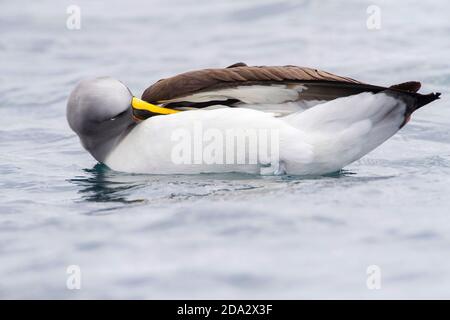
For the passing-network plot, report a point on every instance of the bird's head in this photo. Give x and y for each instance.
(103, 110)
(99, 111)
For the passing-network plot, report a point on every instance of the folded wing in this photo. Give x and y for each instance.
(281, 90)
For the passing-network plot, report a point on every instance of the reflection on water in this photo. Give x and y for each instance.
(101, 184)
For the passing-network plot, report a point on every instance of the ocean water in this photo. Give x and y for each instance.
(220, 236)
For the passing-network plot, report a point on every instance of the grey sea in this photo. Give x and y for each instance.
(383, 220)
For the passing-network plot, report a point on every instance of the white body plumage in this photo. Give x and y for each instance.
(319, 140)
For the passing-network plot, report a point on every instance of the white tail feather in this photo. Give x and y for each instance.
(343, 130)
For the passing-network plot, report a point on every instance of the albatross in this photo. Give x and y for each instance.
(267, 120)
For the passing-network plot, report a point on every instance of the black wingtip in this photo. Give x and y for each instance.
(425, 99)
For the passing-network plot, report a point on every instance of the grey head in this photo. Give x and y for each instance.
(99, 111)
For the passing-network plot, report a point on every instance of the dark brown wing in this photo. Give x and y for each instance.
(237, 74)
(318, 84)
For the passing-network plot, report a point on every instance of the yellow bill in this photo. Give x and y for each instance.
(143, 110)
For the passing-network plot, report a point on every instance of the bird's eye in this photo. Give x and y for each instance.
(119, 115)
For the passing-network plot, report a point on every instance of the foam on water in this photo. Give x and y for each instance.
(219, 236)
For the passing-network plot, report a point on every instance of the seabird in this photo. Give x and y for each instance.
(318, 122)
